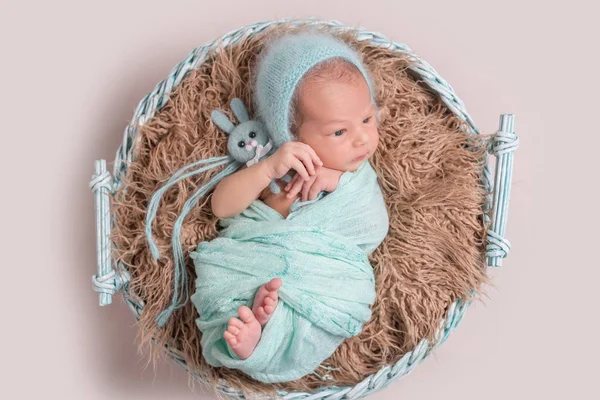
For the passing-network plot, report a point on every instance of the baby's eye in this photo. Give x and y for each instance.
(366, 120)
(241, 143)
(252, 135)
(338, 133)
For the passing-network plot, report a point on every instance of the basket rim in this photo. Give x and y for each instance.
(156, 99)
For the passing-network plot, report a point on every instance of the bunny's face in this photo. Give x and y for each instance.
(244, 139)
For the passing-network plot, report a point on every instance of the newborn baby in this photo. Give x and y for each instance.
(294, 266)
(334, 121)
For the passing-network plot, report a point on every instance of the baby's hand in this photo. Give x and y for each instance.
(324, 179)
(293, 155)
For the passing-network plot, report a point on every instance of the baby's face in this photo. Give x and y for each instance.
(338, 122)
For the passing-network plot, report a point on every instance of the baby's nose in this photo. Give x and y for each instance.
(362, 139)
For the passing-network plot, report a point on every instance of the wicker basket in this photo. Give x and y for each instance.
(109, 280)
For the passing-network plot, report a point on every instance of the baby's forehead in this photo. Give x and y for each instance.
(333, 96)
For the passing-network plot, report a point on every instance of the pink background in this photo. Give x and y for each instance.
(73, 73)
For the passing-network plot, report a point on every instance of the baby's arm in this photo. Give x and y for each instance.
(234, 193)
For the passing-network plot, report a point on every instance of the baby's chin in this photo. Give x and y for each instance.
(355, 165)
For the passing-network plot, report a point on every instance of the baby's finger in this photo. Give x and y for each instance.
(305, 157)
(291, 183)
(299, 167)
(296, 179)
(305, 189)
(316, 159)
(295, 189)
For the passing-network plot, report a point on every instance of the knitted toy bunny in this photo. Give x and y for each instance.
(249, 141)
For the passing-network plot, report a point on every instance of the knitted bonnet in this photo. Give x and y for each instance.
(281, 68)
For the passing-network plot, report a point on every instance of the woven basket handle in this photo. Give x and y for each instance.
(106, 281)
(502, 147)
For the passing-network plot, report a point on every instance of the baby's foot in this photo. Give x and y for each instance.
(266, 300)
(243, 336)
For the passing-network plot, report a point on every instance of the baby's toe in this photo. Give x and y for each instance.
(235, 322)
(269, 301)
(232, 340)
(261, 313)
(246, 314)
(234, 330)
(274, 284)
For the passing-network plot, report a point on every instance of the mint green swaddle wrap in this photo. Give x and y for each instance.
(320, 253)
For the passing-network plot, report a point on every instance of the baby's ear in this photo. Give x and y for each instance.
(222, 121)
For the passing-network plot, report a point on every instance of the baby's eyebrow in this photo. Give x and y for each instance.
(368, 110)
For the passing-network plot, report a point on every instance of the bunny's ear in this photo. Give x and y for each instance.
(239, 110)
(222, 121)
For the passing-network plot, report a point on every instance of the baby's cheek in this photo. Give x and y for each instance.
(321, 151)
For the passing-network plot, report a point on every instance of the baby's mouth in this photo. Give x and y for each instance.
(360, 158)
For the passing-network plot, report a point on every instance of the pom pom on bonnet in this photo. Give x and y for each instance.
(281, 69)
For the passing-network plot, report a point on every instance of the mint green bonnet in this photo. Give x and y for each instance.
(281, 68)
